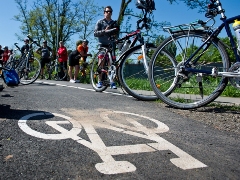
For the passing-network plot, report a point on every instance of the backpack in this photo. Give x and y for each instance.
(10, 77)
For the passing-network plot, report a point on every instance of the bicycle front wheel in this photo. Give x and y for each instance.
(133, 75)
(96, 74)
(180, 88)
(31, 73)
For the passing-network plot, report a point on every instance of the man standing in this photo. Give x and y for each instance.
(62, 57)
(45, 51)
(103, 37)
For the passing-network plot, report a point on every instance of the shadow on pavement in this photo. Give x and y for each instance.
(15, 114)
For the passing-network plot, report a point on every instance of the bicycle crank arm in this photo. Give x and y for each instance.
(229, 74)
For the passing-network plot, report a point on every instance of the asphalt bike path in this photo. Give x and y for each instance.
(225, 100)
(62, 130)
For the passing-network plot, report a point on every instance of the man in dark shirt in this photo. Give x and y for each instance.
(46, 52)
(100, 31)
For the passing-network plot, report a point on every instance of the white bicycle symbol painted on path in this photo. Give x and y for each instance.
(90, 121)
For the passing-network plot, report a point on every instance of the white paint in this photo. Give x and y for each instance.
(109, 165)
(64, 133)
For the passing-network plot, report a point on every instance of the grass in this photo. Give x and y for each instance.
(143, 84)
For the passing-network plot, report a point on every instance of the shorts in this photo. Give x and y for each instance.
(72, 60)
(43, 61)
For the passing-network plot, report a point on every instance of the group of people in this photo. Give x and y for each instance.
(72, 59)
(46, 54)
(81, 51)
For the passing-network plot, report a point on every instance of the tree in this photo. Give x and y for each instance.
(193, 4)
(126, 15)
(49, 20)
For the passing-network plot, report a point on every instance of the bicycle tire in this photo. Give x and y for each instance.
(30, 74)
(94, 75)
(191, 90)
(133, 76)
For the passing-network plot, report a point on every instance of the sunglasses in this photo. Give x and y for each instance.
(108, 11)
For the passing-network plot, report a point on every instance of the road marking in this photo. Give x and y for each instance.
(101, 118)
(76, 87)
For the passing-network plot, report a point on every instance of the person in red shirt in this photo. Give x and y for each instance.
(5, 55)
(62, 56)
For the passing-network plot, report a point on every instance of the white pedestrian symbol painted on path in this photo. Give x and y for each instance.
(101, 118)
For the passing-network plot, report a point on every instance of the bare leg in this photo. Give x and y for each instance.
(76, 72)
(70, 72)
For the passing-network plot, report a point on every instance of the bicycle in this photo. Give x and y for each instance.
(135, 83)
(55, 71)
(191, 68)
(27, 66)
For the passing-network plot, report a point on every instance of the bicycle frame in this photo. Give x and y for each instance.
(226, 24)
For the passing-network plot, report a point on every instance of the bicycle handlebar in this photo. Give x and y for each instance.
(111, 30)
(35, 42)
(15, 44)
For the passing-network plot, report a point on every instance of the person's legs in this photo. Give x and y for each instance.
(71, 66)
(65, 70)
(101, 62)
(42, 62)
(76, 72)
(70, 69)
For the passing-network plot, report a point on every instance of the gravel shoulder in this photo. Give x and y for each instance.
(219, 116)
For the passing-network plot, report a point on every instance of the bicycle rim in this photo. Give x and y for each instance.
(95, 72)
(30, 74)
(133, 76)
(188, 90)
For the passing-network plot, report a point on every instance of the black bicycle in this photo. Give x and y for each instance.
(27, 66)
(55, 71)
(191, 67)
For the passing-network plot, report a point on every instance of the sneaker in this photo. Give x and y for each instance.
(99, 84)
(113, 85)
(77, 81)
(72, 81)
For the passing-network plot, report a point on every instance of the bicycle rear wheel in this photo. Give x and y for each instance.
(183, 89)
(133, 76)
(96, 71)
(30, 74)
